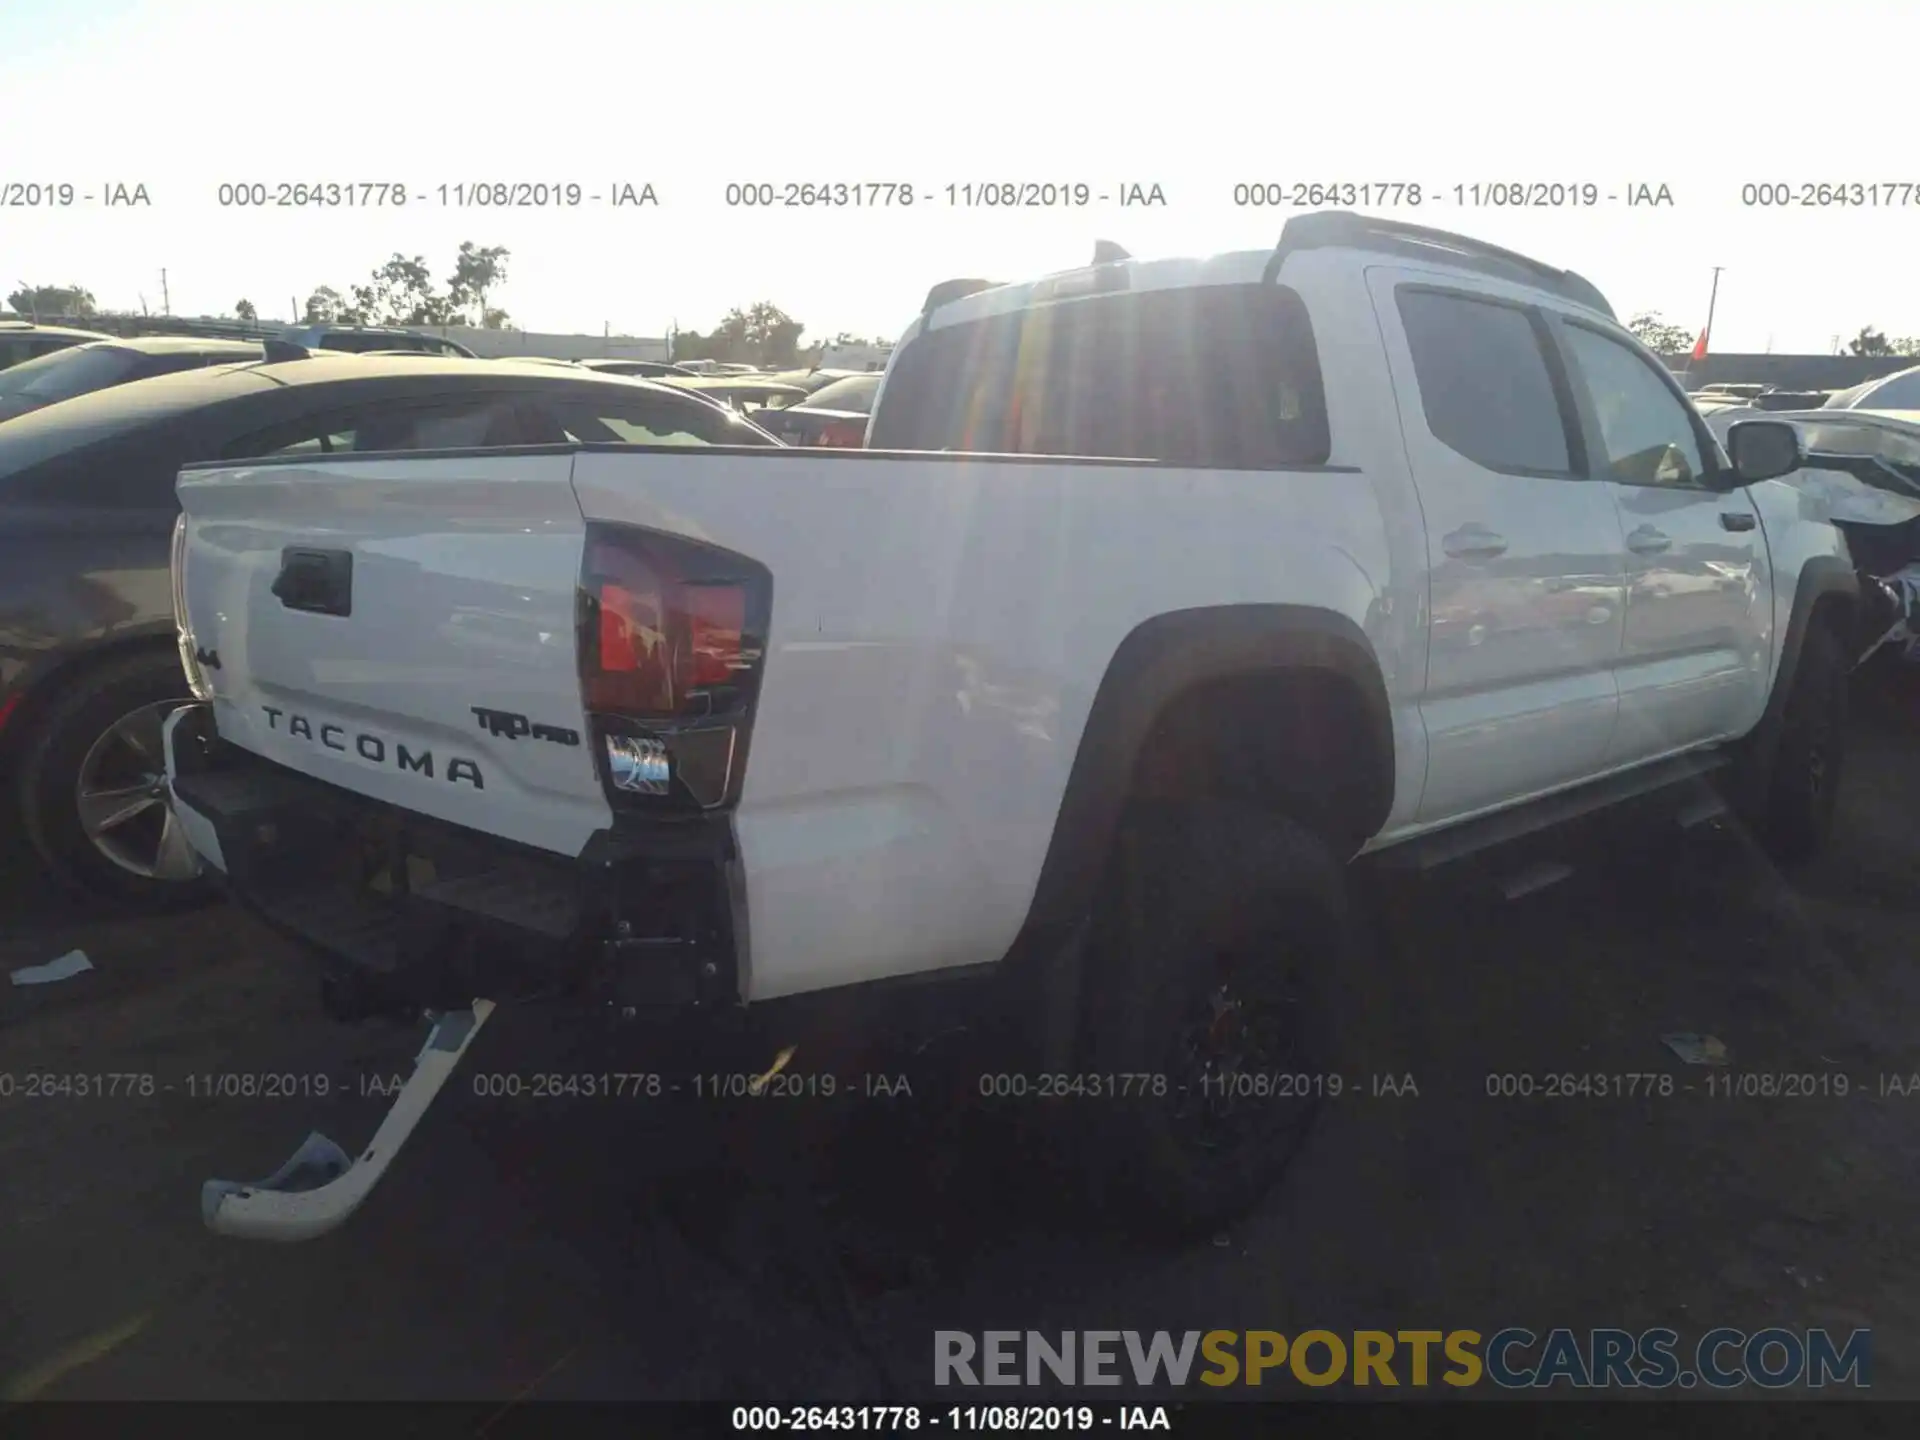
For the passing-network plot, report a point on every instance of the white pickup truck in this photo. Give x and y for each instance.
(1163, 590)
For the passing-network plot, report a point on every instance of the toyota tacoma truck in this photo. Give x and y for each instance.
(1162, 591)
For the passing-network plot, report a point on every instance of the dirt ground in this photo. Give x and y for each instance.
(599, 1250)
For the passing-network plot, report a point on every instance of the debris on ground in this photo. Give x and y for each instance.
(73, 963)
(1697, 1049)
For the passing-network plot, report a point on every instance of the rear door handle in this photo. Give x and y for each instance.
(1474, 542)
(1649, 541)
(1736, 520)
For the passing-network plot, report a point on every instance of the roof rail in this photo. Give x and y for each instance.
(949, 290)
(1328, 228)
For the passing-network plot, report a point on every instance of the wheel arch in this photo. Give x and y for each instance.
(39, 689)
(1826, 593)
(1182, 654)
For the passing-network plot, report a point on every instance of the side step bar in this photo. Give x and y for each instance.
(319, 1189)
(1429, 852)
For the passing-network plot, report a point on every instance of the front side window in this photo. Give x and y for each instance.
(1485, 388)
(1646, 434)
(1212, 377)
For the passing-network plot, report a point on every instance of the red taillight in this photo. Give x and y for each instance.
(673, 627)
(716, 619)
(842, 434)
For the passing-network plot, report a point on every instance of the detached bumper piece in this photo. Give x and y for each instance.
(318, 1189)
(409, 914)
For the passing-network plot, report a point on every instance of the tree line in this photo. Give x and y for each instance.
(1664, 339)
(404, 291)
(760, 334)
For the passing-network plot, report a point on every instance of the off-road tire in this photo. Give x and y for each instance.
(1794, 813)
(1188, 885)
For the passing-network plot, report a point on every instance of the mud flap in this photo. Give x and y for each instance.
(319, 1188)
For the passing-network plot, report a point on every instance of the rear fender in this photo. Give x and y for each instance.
(1164, 658)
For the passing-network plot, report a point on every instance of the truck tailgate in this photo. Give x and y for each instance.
(403, 628)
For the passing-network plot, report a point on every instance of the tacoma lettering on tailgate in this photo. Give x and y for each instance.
(375, 748)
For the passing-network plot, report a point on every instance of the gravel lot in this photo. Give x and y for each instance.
(585, 1251)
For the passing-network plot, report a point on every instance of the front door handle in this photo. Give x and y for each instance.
(1474, 542)
(1736, 520)
(1649, 541)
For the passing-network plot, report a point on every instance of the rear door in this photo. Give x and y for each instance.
(1695, 653)
(1527, 580)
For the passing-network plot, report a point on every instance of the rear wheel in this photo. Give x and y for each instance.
(92, 789)
(1223, 996)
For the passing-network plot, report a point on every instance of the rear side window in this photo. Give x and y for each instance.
(1484, 384)
(1214, 377)
(645, 419)
(167, 364)
(399, 425)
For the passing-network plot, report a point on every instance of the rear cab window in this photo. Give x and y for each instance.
(1207, 377)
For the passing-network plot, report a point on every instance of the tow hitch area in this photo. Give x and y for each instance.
(319, 1187)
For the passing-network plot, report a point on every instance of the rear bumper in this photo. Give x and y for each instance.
(415, 913)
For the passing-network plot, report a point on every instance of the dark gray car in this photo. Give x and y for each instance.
(88, 661)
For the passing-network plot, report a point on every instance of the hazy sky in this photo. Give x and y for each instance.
(182, 95)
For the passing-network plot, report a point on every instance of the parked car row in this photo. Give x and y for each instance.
(834, 414)
(22, 340)
(77, 370)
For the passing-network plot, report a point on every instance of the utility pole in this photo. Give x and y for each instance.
(166, 300)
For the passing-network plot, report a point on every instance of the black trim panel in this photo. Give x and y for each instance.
(1820, 577)
(651, 913)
